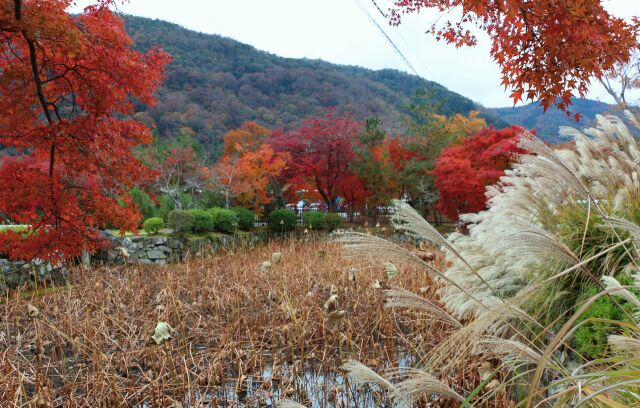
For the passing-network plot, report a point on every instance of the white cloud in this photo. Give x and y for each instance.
(339, 31)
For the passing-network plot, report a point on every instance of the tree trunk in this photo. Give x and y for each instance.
(175, 197)
(332, 206)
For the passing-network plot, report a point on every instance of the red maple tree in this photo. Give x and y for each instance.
(66, 86)
(321, 152)
(353, 191)
(548, 50)
(463, 171)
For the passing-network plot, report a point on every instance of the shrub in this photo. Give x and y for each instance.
(153, 225)
(202, 221)
(246, 218)
(590, 338)
(333, 221)
(282, 220)
(146, 207)
(314, 220)
(224, 220)
(181, 221)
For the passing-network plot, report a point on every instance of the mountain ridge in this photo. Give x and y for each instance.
(216, 83)
(547, 124)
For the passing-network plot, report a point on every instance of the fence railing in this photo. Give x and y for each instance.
(367, 217)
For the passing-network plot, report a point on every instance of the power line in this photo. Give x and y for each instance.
(416, 56)
(379, 9)
(389, 40)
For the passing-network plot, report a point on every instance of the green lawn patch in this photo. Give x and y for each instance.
(15, 228)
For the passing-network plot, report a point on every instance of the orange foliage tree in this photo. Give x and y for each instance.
(247, 138)
(249, 176)
(548, 50)
(249, 167)
(66, 85)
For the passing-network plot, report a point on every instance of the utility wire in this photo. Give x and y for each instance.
(379, 9)
(415, 55)
(366, 12)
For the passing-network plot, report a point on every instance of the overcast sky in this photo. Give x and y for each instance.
(340, 31)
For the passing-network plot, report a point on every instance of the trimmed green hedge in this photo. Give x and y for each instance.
(203, 221)
(246, 218)
(225, 221)
(282, 220)
(153, 225)
(333, 221)
(180, 221)
(313, 220)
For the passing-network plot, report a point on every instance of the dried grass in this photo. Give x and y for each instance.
(235, 328)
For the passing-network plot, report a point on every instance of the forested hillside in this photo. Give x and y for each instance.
(216, 83)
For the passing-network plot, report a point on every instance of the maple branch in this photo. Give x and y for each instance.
(62, 75)
(41, 97)
(18, 9)
(619, 98)
(5, 218)
(36, 78)
(525, 19)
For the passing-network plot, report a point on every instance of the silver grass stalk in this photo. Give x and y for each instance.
(372, 247)
(626, 225)
(632, 118)
(508, 350)
(612, 283)
(358, 245)
(365, 245)
(399, 298)
(289, 404)
(624, 345)
(538, 244)
(462, 343)
(407, 219)
(361, 374)
(420, 384)
(548, 164)
(410, 221)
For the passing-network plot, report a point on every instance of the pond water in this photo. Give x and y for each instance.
(313, 387)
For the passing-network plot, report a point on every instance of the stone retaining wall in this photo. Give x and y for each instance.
(162, 250)
(143, 250)
(16, 274)
(158, 250)
(154, 250)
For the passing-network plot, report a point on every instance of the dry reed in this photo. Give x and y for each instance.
(236, 333)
